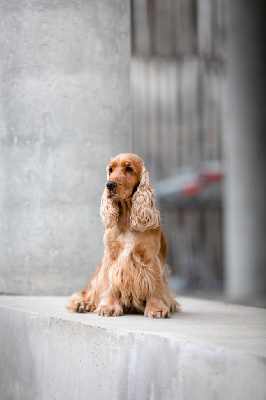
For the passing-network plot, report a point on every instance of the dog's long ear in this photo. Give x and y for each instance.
(109, 211)
(144, 214)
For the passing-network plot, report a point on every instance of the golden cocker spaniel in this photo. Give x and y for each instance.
(132, 275)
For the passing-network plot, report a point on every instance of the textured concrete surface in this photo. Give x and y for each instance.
(64, 113)
(209, 351)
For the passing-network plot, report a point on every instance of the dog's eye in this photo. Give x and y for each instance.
(110, 170)
(129, 169)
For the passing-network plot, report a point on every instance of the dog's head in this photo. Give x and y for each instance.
(123, 176)
(128, 180)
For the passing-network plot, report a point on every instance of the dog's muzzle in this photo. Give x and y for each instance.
(111, 185)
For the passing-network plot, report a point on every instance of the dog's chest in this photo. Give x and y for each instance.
(130, 273)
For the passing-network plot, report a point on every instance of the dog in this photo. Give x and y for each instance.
(132, 277)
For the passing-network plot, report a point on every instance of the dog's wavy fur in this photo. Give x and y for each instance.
(132, 275)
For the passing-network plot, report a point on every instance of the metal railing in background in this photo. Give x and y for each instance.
(177, 77)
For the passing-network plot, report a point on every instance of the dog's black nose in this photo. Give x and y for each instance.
(111, 185)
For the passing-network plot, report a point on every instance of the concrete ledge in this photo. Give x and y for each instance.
(209, 351)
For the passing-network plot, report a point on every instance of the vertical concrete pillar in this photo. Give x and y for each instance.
(245, 221)
(65, 111)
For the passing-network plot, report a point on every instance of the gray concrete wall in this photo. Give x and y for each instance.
(64, 111)
(245, 219)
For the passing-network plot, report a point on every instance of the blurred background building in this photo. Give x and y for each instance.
(198, 120)
(181, 67)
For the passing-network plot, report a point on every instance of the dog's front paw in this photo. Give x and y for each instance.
(157, 312)
(109, 311)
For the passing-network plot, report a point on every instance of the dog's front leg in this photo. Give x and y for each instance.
(108, 300)
(157, 304)
(161, 302)
(155, 308)
(109, 305)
